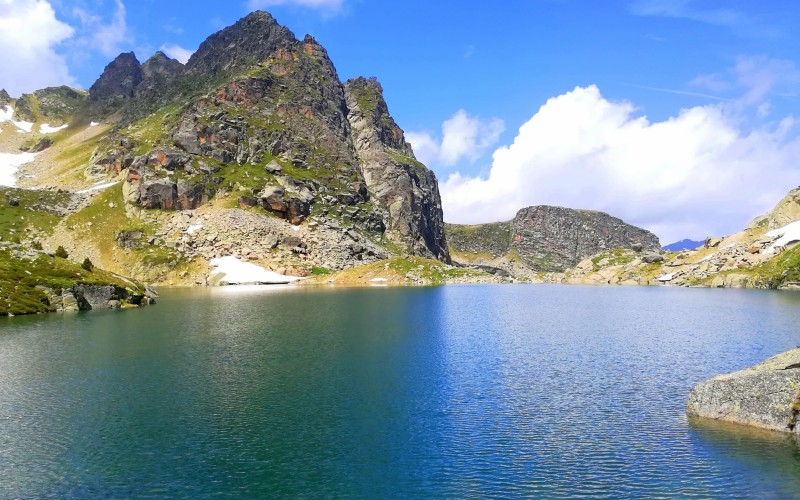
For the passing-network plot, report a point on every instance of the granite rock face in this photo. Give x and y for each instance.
(785, 212)
(555, 238)
(766, 395)
(403, 186)
(551, 239)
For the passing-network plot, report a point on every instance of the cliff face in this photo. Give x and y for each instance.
(555, 238)
(546, 238)
(402, 185)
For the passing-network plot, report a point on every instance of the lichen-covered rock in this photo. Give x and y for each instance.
(766, 395)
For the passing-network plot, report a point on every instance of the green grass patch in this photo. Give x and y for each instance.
(406, 160)
(29, 213)
(618, 257)
(19, 279)
(152, 132)
(320, 271)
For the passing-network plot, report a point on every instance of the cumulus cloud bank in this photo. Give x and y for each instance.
(463, 137)
(692, 175)
(29, 33)
(176, 52)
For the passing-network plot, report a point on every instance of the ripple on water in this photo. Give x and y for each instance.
(558, 392)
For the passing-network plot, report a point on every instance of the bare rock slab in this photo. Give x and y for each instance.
(766, 395)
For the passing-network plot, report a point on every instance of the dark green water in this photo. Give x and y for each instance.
(468, 391)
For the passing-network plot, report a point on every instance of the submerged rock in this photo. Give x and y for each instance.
(766, 395)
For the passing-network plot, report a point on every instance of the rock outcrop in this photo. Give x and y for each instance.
(264, 116)
(402, 185)
(787, 210)
(766, 395)
(546, 238)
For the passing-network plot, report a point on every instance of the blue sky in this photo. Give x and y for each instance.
(677, 115)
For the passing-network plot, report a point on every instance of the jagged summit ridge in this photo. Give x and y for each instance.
(246, 43)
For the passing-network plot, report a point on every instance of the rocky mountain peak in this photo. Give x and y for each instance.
(4, 97)
(160, 64)
(117, 84)
(238, 47)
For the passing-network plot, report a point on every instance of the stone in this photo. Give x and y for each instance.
(652, 258)
(766, 395)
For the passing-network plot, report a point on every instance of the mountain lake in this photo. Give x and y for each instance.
(433, 392)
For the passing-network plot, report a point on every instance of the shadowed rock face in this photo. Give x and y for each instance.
(766, 395)
(116, 85)
(241, 46)
(402, 185)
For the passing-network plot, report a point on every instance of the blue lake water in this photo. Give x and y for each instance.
(456, 391)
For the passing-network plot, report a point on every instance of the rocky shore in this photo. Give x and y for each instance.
(766, 395)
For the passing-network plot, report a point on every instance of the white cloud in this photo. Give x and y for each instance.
(176, 52)
(734, 18)
(29, 35)
(463, 137)
(330, 5)
(695, 174)
(107, 37)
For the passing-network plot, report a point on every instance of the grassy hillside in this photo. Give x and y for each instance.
(19, 279)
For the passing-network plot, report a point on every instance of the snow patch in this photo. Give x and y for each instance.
(97, 187)
(378, 280)
(666, 277)
(296, 228)
(193, 228)
(235, 272)
(93, 124)
(789, 233)
(7, 115)
(47, 129)
(9, 164)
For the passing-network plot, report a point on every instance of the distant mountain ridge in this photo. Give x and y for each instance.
(685, 244)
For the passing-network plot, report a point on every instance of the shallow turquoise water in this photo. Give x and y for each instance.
(458, 391)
